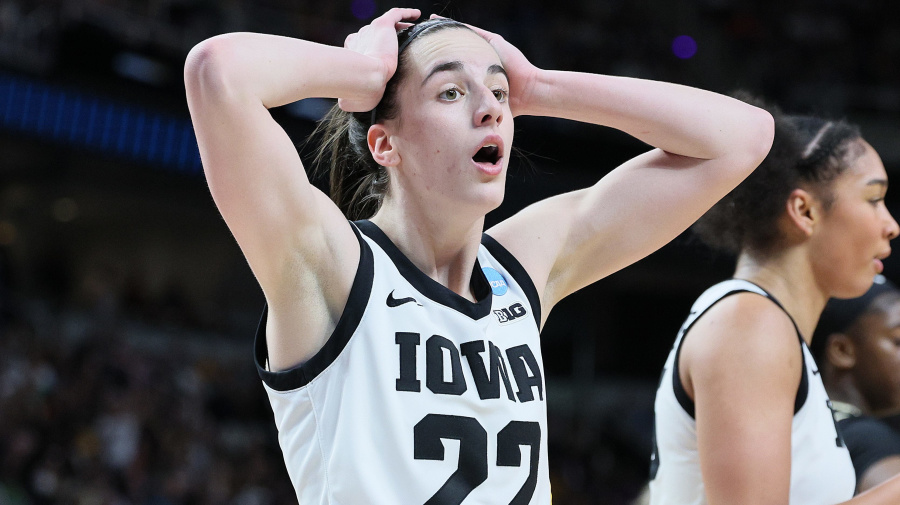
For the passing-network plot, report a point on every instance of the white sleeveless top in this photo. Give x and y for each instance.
(419, 396)
(821, 470)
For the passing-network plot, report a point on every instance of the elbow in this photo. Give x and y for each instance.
(206, 68)
(759, 133)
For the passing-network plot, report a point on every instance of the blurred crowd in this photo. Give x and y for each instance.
(93, 413)
(837, 54)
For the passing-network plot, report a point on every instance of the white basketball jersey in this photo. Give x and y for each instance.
(821, 470)
(420, 395)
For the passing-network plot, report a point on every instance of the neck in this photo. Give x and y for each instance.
(443, 246)
(788, 276)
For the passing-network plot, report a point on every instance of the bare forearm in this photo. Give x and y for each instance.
(678, 119)
(279, 70)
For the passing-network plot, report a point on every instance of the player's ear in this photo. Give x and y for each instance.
(384, 152)
(803, 211)
(840, 351)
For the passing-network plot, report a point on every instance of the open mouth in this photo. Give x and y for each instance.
(487, 154)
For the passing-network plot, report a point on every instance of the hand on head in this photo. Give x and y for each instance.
(378, 39)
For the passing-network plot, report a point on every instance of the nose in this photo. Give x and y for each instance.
(891, 227)
(489, 110)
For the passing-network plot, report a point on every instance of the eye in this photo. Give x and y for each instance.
(894, 336)
(451, 94)
(501, 95)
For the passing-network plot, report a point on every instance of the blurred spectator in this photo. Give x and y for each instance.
(858, 352)
(131, 417)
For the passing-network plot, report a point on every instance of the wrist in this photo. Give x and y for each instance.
(373, 76)
(535, 94)
(385, 68)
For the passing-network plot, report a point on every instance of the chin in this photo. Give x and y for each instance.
(495, 198)
(858, 287)
(488, 196)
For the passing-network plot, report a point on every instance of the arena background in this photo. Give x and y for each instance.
(127, 311)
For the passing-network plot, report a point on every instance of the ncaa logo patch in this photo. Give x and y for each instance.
(496, 280)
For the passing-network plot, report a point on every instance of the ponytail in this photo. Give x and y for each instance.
(357, 183)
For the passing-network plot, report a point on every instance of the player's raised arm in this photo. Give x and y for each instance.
(295, 239)
(253, 168)
(705, 143)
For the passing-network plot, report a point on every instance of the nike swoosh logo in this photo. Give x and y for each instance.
(396, 302)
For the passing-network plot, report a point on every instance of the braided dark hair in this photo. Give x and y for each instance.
(808, 152)
(358, 184)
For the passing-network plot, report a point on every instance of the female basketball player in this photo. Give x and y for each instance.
(741, 413)
(389, 337)
(856, 347)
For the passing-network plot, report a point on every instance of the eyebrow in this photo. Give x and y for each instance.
(877, 182)
(497, 69)
(453, 66)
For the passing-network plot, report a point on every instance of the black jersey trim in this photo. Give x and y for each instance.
(681, 395)
(429, 287)
(302, 374)
(512, 265)
(803, 388)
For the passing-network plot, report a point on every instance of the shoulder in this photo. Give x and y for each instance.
(744, 334)
(746, 322)
(542, 237)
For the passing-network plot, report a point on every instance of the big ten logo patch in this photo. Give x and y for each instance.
(510, 314)
(496, 280)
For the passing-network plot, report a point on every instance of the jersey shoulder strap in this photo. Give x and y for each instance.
(707, 300)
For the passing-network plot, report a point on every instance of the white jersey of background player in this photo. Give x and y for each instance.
(816, 445)
(742, 417)
(420, 145)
